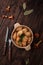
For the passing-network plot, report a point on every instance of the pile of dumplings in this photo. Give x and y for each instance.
(22, 36)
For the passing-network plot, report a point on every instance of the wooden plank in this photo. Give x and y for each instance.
(34, 21)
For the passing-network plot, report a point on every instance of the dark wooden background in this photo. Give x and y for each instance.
(34, 21)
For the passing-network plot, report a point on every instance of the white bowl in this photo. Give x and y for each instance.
(28, 47)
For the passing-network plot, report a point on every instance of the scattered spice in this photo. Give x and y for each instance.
(4, 16)
(24, 5)
(8, 8)
(11, 17)
(28, 12)
(36, 35)
(37, 44)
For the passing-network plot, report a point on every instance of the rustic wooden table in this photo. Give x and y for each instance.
(34, 21)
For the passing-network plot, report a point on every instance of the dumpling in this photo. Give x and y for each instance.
(19, 28)
(23, 43)
(29, 39)
(14, 36)
(20, 44)
(25, 39)
(19, 33)
(28, 34)
(18, 38)
(16, 42)
(24, 30)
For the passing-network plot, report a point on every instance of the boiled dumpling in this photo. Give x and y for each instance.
(20, 44)
(28, 34)
(19, 28)
(19, 33)
(25, 38)
(24, 30)
(14, 36)
(29, 39)
(18, 38)
(23, 43)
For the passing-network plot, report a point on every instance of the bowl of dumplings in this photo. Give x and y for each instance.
(22, 36)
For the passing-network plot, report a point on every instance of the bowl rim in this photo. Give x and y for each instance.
(13, 32)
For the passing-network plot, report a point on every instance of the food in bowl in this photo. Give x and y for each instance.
(22, 36)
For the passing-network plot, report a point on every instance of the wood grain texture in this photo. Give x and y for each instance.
(34, 21)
